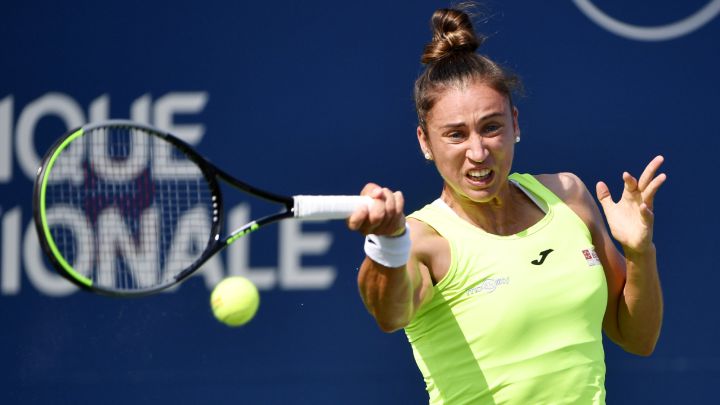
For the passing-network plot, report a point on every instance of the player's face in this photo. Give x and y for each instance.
(471, 134)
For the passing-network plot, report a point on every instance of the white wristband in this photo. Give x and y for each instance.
(389, 251)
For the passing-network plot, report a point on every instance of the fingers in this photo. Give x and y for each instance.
(384, 215)
(646, 215)
(636, 202)
(652, 188)
(649, 173)
(356, 220)
(369, 189)
(631, 183)
(603, 194)
(649, 183)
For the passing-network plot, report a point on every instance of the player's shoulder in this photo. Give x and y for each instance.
(573, 192)
(568, 186)
(429, 249)
(420, 230)
(424, 238)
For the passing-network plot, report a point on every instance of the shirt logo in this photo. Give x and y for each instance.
(544, 254)
(488, 285)
(591, 257)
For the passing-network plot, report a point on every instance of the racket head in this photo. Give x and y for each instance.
(125, 209)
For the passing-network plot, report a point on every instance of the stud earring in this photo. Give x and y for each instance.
(428, 156)
(517, 139)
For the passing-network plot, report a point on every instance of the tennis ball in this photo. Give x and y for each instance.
(235, 301)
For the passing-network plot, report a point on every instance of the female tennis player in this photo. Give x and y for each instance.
(505, 282)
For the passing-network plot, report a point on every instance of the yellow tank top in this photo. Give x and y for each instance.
(517, 319)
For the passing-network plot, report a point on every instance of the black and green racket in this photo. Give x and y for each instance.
(125, 209)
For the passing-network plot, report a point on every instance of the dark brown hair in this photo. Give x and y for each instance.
(451, 60)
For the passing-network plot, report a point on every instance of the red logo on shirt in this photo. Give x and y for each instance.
(591, 257)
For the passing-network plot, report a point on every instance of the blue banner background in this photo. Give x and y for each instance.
(317, 98)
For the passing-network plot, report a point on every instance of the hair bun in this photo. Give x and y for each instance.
(452, 33)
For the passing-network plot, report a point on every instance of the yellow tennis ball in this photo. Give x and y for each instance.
(235, 301)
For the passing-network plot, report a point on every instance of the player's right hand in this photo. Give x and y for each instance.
(383, 216)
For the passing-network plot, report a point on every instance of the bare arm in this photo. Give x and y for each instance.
(391, 295)
(631, 219)
(634, 311)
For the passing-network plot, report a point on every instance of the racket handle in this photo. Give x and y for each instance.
(319, 207)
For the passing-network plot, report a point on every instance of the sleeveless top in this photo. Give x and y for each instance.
(517, 319)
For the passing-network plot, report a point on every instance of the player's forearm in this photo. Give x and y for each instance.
(641, 307)
(387, 294)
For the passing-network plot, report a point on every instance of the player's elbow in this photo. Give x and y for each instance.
(391, 321)
(643, 349)
(391, 325)
(644, 352)
(389, 318)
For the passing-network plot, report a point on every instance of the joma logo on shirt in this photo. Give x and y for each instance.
(543, 255)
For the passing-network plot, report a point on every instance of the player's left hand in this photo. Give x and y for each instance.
(631, 218)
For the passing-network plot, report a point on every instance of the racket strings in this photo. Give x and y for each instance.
(127, 209)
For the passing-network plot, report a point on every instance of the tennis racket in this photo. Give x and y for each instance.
(125, 209)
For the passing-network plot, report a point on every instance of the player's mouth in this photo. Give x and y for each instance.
(480, 177)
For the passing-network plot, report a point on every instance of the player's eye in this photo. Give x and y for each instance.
(491, 129)
(455, 136)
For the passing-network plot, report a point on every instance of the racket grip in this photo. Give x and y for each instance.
(320, 207)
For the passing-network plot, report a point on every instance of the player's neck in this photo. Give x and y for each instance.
(507, 213)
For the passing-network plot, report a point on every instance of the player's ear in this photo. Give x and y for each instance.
(424, 143)
(516, 124)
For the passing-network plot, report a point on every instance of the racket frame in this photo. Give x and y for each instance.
(210, 172)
